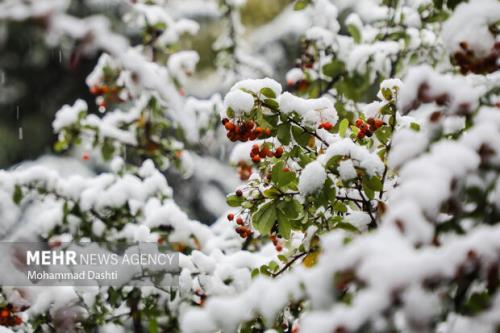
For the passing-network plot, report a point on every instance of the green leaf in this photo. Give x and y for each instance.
(346, 226)
(271, 193)
(330, 190)
(333, 69)
(437, 16)
(281, 177)
(370, 193)
(477, 302)
(268, 92)
(107, 150)
(265, 218)
(259, 118)
(283, 133)
(333, 162)
(277, 169)
(230, 112)
(273, 266)
(386, 109)
(301, 4)
(153, 325)
(387, 93)
(344, 124)
(18, 194)
(272, 104)
(339, 207)
(301, 137)
(284, 226)
(314, 89)
(383, 134)
(354, 86)
(356, 35)
(264, 270)
(114, 297)
(60, 145)
(415, 127)
(373, 183)
(234, 200)
(291, 209)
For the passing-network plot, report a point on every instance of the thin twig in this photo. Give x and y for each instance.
(290, 263)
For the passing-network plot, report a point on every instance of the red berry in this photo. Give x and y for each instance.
(256, 159)
(239, 221)
(359, 122)
(303, 85)
(279, 248)
(255, 149)
(279, 151)
(85, 156)
(378, 123)
(95, 90)
(259, 131)
(249, 124)
(230, 217)
(239, 193)
(225, 121)
(229, 126)
(264, 151)
(361, 134)
(267, 132)
(105, 89)
(327, 125)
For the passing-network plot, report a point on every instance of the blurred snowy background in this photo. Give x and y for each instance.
(36, 79)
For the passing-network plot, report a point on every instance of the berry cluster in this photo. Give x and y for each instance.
(8, 317)
(276, 242)
(105, 94)
(244, 130)
(369, 127)
(468, 62)
(241, 229)
(425, 95)
(100, 90)
(326, 125)
(257, 153)
(300, 85)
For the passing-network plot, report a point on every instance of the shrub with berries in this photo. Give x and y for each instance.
(357, 192)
